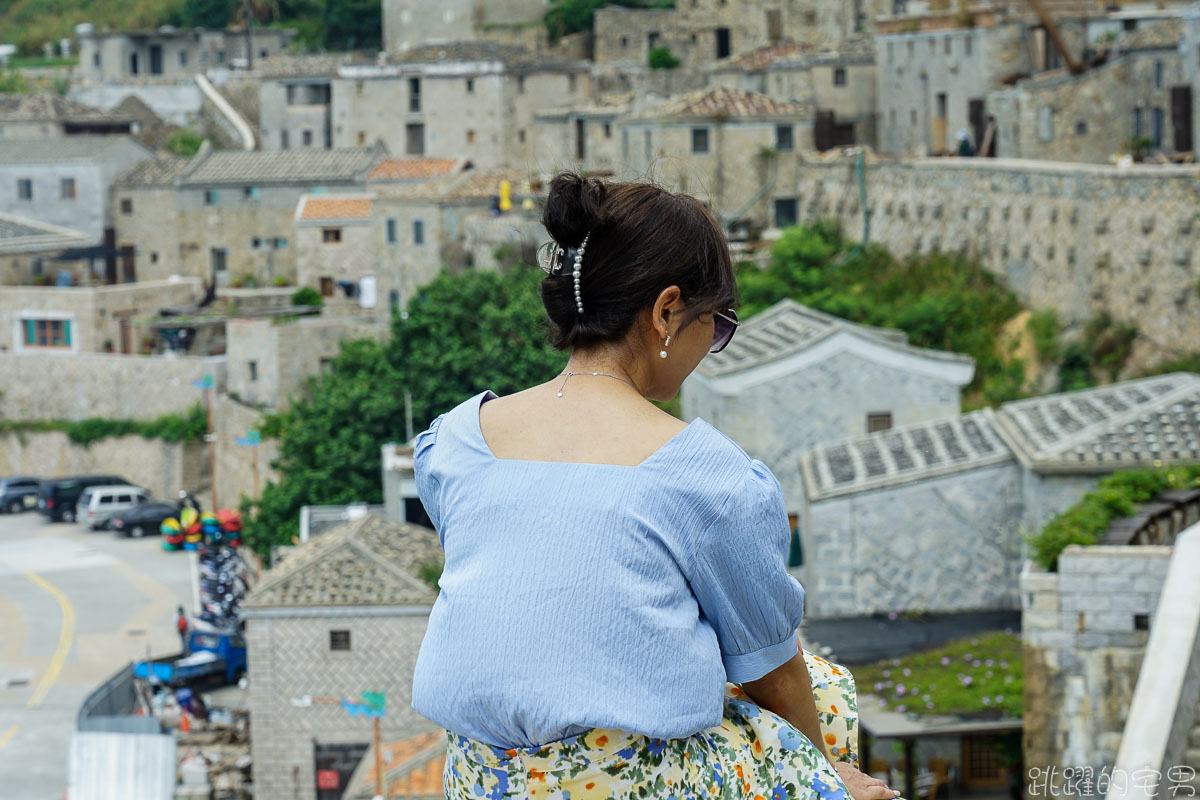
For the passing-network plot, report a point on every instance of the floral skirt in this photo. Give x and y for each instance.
(752, 753)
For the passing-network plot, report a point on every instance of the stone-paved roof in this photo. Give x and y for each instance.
(721, 101)
(762, 57)
(903, 454)
(1162, 35)
(59, 149)
(511, 56)
(52, 108)
(318, 65)
(21, 235)
(859, 48)
(279, 166)
(788, 327)
(157, 171)
(412, 769)
(468, 185)
(371, 561)
(326, 207)
(410, 169)
(1129, 424)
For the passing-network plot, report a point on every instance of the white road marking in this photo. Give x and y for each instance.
(49, 554)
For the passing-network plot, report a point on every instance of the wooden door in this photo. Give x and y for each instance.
(1181, 117)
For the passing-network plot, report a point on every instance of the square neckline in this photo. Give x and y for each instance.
(478, 429)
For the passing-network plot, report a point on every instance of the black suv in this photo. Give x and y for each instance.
(57, 496)
(18, 494)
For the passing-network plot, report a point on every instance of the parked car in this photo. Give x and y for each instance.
(18, 494)
(104, 501)
(143, 518)
(57, 496)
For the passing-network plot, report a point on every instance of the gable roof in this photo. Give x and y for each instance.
(279, 166)
(371, 561)
(903, 454)
(157, 171)
(413, 169)
(333, 207)
(412, 769)
(510, 55)
(21, 235)
(1095, 431)
(63, 149)
(788, 327)
(722, 102)
(47, 107)
(761, 57)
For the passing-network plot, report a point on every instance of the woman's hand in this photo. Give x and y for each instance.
(863, 786)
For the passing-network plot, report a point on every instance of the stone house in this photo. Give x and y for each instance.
(474, 100)
(721, 145)
(44, 116)
(229, 214)
(168, 52)
(269, 360)
(90, 319)
(413, 23)
(970, 488)
(295, 101)
(581, 133)
(28, 248)
(795, 377)
(342, 614)
(65, 181)
(1140, 91)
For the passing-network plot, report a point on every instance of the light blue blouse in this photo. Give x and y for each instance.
(581, 595)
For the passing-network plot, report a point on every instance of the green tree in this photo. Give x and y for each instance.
(207, 13)
(184, 142)
(662, 58)
(353, 24)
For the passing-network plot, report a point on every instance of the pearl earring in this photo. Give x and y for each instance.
(663, 353)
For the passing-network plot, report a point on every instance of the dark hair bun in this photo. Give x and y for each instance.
(573, 207)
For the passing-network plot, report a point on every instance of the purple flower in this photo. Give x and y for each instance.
(900, 689)
(887, 673)
(1003, 665)
(999, 698)
(968, 657)
(1008, 630)
(989, 662)
(878, 685)
(895, 662)
(945, 660)
(966, 681)
(976, 663)
(891, 615)
(907, 672)
(987, 701)
(925, 697)
(901, 709)
(929, 705)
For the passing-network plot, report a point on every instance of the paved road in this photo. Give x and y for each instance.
(75, 606)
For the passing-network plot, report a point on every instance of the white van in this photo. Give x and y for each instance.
(100, 503)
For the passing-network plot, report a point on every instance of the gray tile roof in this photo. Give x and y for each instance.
(46, 107)
(722, 102)
(318, 65)
(20, 235)
(788, 327)
(902, 455)
(372, 561)
(59, 150)
(1129, 424)
(157, 171)
(279, 166)
(512, 56)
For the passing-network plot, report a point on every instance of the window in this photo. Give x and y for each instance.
(252, 368)
(879, 421)
(153, 258)
(839, 76)
(624, 42)
(68, 188)
(126, 205)
(608, 130)
(358, 88)
(784, 138)
(339, 640)
(326, 286)
(571, 82)
(1081, 128)
(391, 231)
(470, 137)
(47, 332)
(96, 60)
(418, 231)
(699, 140)
(210, 197)
(941, 105)
(1158, 74)
(520, 84)
(414, 139)
(362, 138)
(220, 56)
(280, 242)
(393, 297)
(249, 192)
(325, 366)
(949, 45)
(1045, 123)
(785, 212)
(183, 58)
(283, 140)
(414, 94)
(723, 46)
(24, 189)
(331, 235)
(306, 137)
(470, 85)
(1137, 122)
(521, 135)
(1157, 120)
(255, 242)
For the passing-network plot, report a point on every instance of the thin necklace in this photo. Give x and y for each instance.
(569, 374)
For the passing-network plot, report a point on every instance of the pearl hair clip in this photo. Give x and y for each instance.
(550, 258)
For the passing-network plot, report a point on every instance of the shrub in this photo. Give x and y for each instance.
(184, 142)
(307, 296)
(279, 281)
(1045, 327)
(662, 58)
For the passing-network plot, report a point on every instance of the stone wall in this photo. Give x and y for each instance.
(1085, 630)
(289, 657)
(1081, 239)
(235, 463)
(66, 387)
(162, 467)
(861, 551)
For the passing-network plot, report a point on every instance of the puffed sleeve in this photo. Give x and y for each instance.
(426, 476)
(738, 572)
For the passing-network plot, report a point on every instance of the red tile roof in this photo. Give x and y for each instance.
(336, 207)
(408, 169)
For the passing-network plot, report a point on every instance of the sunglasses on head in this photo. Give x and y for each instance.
(724, 325)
